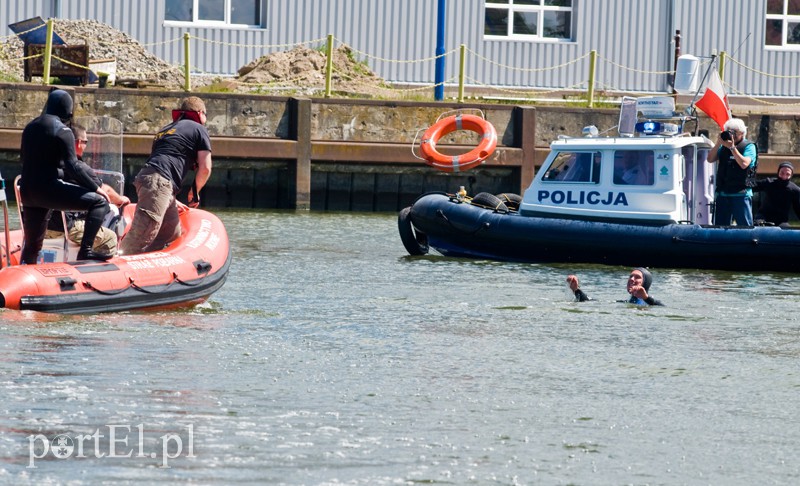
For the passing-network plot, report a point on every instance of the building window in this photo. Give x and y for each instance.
(215, 12)
(528, 19)
(783, 23)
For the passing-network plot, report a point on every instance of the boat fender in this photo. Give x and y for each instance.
(489, 201)
(458, 163)
(415, 242)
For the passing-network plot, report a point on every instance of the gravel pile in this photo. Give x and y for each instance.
(298, 70)
(105, 42)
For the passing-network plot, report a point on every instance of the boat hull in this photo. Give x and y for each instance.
(461, 229)
(186, 272)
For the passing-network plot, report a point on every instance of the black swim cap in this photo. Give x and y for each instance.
(786, 164)
(647, 277)
(59, 103)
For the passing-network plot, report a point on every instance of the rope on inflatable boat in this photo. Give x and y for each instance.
(176, 279)
(89, 286)
(144, 290)
(132, 284)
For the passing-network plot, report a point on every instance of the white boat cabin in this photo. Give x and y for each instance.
(647, 178)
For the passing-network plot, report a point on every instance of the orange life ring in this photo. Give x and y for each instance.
(457, 163)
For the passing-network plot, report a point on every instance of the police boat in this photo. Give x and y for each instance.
(643, 197)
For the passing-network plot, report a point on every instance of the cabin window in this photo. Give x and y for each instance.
(782, 24)
(240, 13)
(574, 167)
(634, 167)
(528, 19)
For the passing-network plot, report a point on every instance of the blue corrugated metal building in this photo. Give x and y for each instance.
(512, 44)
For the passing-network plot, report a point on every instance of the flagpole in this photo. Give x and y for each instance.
(691, 107)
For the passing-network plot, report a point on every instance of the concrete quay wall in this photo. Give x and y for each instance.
(340, 154)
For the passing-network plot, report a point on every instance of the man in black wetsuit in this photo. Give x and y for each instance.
(639, 282)
(777, 196)
(48, 156)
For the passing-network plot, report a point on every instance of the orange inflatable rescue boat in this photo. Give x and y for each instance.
(186, 272)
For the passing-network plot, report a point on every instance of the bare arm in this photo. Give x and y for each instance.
(201, 176)
(713, 154)
(114, 197)
(741, 160)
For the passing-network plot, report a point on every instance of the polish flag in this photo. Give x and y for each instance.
(714, 101)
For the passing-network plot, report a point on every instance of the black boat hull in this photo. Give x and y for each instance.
(461, 229)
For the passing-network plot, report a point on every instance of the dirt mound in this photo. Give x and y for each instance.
(303, 69)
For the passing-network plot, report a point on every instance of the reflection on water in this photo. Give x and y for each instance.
(330, 356)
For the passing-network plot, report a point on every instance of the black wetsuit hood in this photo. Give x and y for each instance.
(59, 103)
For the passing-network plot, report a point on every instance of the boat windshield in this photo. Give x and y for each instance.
(103, 152)
(574, 167)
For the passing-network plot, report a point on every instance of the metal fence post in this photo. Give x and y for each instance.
(461, 68)
(48, 52)
(592, 63)
(328, 65)
(187, 80)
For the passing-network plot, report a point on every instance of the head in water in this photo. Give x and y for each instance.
(640, 277)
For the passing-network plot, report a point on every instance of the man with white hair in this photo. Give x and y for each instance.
(736, 175)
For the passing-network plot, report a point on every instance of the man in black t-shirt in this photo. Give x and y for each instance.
(182, 145)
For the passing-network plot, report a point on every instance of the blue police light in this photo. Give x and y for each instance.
(656, 128)
(648, 127)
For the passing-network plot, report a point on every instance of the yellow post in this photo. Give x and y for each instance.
(592, 63)
(48, 51)
(328, 65)
(461, 68)
(187, 80)
(722, 66)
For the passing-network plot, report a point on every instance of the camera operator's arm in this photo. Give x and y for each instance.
(713, 154)
(743, 159)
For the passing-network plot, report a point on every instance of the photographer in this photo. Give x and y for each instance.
(736, 175)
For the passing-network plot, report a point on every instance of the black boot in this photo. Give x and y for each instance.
(93, 255)
(94, 219)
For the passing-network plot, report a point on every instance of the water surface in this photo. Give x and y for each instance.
(332, 357)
